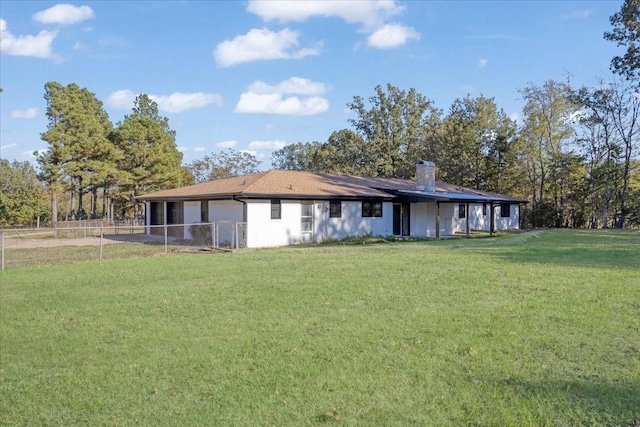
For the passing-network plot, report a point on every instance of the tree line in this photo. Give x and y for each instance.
(573, 153)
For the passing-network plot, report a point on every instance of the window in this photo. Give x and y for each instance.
(306, 224)
(335, 209)
(505, 210)
(204, 211)
(462, 212)
(371, 209)
(276, 210)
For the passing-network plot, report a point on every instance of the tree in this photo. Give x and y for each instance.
(150, 159)
(300, 156)
(473, 147)
(225, 164)
(626, 32)
(79, 155)
(394, 129)
(545, 135)
(22, 197)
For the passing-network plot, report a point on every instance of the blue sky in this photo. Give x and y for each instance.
(255, 76)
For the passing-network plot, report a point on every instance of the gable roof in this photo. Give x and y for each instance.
(286, 184)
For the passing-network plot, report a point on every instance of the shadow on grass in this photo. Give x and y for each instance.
(616, 404)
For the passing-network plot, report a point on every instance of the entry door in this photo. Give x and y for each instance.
(401, 215)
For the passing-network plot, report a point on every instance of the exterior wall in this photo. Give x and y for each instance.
(508, 223)
(191, 216)
(351, 223)
(478, 221)
(266, 232)
(423, 219)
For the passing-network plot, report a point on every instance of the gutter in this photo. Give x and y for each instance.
(244, 207)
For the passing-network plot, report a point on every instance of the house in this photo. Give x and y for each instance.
(282, 207)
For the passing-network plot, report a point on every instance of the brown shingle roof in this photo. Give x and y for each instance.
(275, 184)
(287, 184)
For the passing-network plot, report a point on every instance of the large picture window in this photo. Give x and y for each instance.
(371, 209)
(335, 209)
(276, 209)
(505, 210)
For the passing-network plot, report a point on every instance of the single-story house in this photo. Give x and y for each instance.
(282, 207)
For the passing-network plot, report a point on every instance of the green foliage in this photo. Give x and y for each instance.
(394, 128)
(626, 32)
(80, 156)
(22, 196)
(225, 164)
(150, 158)
(531, 329)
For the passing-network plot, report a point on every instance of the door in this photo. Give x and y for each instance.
(401, 215)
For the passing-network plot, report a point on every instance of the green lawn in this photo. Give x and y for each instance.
(531, 329)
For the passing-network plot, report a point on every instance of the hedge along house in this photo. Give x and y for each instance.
(282, 207)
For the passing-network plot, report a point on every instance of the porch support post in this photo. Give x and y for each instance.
(467, 214)
(437, 220)
(492, 227)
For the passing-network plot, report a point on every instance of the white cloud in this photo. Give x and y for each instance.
(580, 14)
(516, 117)
(226, 144)
(254, 153)
(199, 149)
(482, 63)
(4, 147)
(64, 14)
(78, 46)
(177, 102)
(29, 113)
(263, 98)
(267, 145)
(261, 45)
(38, 46)
(297, 85)
(369, 13)
(392, 35)
(182, 149)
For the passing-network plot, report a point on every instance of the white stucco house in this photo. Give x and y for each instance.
(282, 207)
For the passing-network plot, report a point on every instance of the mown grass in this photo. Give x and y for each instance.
(532, 329)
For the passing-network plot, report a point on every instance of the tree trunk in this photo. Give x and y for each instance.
(54, 208)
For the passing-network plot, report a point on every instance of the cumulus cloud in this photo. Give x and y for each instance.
(369, 13)
(372, 15)
(482, 63)
(267, 145)
(226, 144)
(64, 14)
(261, 45)
(38, 46)
(392, 35)
(29, 113)
(199, 149)
(182, 149)
(263, 98)
(177, 102)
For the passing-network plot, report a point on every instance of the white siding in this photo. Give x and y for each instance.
(265, 232)
(191, 216)
(423, 220)
(226, 210)
(508, 223)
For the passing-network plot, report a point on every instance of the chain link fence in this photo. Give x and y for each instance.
(108, 240)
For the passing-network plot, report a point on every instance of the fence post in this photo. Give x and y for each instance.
(2, 244)
(213, 233)
(101, 234)
(166, 238)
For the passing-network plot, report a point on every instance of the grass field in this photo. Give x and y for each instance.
(531, 329)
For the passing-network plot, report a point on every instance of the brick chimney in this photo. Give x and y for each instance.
(425, 176)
